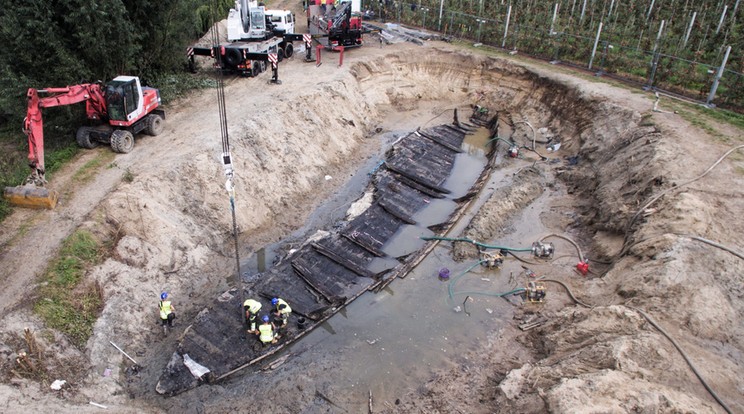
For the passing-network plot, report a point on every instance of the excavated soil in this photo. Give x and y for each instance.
(172, 229)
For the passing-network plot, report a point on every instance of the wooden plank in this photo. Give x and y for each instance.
(413, 184)
(439, 141)
(391, 209)
(304, 269)
(416, 178)
(343, 261)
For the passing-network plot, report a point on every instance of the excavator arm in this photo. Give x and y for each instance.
(33, 194)
(33, 126)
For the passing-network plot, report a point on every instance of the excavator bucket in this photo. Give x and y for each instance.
(31, 197)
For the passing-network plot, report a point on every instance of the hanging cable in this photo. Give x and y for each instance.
(226, 156)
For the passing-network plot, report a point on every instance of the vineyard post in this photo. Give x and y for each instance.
(555, 14)
(723, 16)
(441, 9)
(648, 14)
(583, 9)
(689, 30)
(506, 28)
(655, 57)
(713, 88)
(596, 41)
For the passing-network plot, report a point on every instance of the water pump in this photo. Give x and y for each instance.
(543, 250)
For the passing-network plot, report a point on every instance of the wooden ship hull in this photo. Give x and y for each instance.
(330, 271)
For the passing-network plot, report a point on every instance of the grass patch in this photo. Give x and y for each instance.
(128, 176)
(726, 116)
(64, 302)
(90, 169)
(698, 118)
(87, 171)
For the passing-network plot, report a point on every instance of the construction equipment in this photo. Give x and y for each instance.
(253, 33)
(344, 28)
(535, 292)
(492, 259)
(117, 112)
(543, 250)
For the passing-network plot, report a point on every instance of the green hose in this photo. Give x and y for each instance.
(485, 246)
(497, 295)
(452, 282)
(511, 144)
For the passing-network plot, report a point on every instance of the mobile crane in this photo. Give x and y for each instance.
(117, 111)
(343, 28)
(251, 36)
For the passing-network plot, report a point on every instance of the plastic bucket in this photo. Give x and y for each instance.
(444, 273)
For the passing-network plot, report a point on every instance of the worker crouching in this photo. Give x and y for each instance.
(251, 308)
(280, 312)
(266, 333)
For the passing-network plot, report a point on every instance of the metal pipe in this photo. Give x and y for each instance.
(441, 10)
(583, 9)
(654, 57)
(552, 23)
(506, 28)
(713, 88)
(125, 354)
(723, 16)
(596, 41)
(689, 29)
(650, 7)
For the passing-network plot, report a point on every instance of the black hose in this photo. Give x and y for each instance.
(679, 186)
(663, 332)
(569, 292)
(578, 249)
(687, 359)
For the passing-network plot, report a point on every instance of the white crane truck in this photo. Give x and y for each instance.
(253, 34)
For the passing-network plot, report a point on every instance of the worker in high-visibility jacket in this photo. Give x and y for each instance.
(266, 332)
(280, 311)
(251, 308)
(167, 311)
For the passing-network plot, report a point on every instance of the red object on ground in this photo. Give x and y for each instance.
(583, 267)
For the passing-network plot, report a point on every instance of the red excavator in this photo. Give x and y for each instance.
(117, 112)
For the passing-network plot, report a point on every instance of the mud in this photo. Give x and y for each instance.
(173, 226)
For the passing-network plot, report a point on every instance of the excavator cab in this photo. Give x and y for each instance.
(122, 98)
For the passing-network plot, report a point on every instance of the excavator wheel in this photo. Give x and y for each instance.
(154, 125)
(280, 54)
(288, 50)
(83, 138)
(122, 141)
